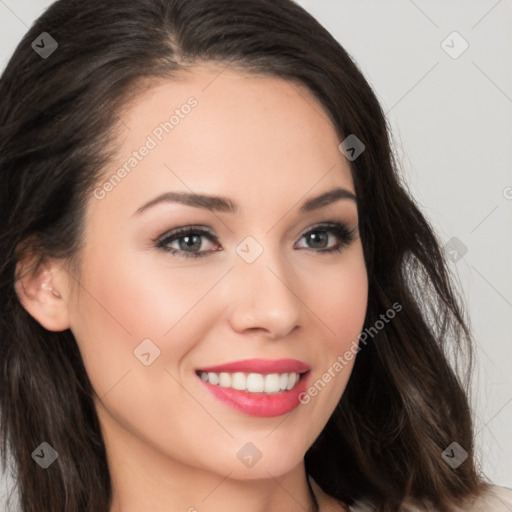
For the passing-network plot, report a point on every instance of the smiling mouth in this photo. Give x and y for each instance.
(271, 383)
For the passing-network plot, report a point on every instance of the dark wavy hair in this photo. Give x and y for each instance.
(404, 402)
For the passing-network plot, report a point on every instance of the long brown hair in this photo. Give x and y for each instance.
(403, 405)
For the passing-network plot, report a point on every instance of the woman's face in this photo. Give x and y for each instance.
(259, 276)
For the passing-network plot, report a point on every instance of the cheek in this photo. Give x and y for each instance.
(340, 303)
(339, 298)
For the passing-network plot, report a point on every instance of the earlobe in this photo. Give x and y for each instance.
(39, 291)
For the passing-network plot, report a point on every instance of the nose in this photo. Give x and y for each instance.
(262, 299)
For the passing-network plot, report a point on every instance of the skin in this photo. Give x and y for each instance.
(268, 146)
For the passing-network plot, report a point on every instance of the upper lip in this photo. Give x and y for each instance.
(264, 366)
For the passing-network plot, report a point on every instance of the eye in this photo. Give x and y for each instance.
(319, 237)
(187, 242)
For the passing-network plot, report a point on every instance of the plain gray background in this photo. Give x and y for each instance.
(451, 116)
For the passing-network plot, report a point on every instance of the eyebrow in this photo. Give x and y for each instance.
(226, 205)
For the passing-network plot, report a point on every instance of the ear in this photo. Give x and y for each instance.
(42, 292)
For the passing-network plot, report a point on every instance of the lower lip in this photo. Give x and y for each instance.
(260, 404)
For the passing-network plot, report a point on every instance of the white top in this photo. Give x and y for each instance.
(497, 499)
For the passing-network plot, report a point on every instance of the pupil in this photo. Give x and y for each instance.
(319, 237)
(191, 242)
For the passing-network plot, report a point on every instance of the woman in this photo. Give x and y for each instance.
(216, 294)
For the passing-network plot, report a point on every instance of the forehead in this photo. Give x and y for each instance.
(216, 130)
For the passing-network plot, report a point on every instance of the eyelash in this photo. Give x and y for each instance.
(340, 229)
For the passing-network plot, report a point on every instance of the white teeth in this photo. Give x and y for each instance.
(213, 378)
(292, 380)
(252, 382)
(239, 381)
(272, 383)
(255, 383)
(225, 380)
